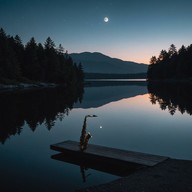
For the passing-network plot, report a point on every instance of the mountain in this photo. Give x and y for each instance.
(97, 96)
(99, 63)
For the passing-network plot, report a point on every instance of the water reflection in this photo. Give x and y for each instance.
(34, 107)
(131, 124)
(97, 163)
(100, 93)
(46, 106)
(115, 82)
(171, 96)
(83, 170)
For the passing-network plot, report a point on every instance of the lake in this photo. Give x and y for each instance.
(134, 116)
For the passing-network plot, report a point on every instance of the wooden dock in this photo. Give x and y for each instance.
(98, 152)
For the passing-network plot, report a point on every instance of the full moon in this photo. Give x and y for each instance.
(106, 19)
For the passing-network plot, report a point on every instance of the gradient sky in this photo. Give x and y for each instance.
(137, 29)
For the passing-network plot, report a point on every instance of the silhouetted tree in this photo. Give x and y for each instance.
(36, 62)
(3, 52)
(172, 50)
(52, 65)
(42, 59)
(9, 62)
(153, 60)
(172, 64)
(31, 68)
(163, 56)
(60, 50)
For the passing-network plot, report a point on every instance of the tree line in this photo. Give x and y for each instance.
(36, 62)
(171, 64)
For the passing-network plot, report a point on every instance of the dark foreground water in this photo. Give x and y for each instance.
(131, 116)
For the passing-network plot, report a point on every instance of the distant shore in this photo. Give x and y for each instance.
(110, 80)
(21, 86)
(169, 80)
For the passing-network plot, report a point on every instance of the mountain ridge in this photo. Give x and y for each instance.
(97, 62)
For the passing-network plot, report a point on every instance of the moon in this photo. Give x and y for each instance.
(106, 19)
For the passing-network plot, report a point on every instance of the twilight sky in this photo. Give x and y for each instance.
(137, 29)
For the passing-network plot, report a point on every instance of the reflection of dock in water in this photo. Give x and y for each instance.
(111, 157)
(100, 164)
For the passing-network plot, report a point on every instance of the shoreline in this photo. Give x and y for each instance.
(26, 86)
(169, 80)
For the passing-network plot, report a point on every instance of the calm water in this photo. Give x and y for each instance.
(129, 117)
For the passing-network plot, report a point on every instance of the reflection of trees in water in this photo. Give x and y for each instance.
(35, 107)
(172, 96)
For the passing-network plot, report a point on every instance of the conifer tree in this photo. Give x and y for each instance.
(36, 62)
(172, 64)
(31, 66)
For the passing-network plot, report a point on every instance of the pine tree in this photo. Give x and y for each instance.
(36, 62)
(172, 64)
(42, 62)
(9, 66)
(31, 68)
(153, 60)
(172, 50)
(52, 65)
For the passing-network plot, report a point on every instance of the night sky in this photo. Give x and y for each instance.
(136, 29)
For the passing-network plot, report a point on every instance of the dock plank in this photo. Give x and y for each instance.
(109, 153)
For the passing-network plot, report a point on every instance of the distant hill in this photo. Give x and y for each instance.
(99, 63)
(107, 94)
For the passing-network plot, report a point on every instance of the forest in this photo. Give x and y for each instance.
(172, 64)
(35, 62)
